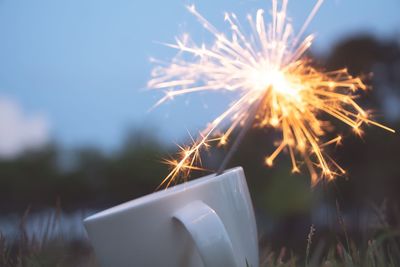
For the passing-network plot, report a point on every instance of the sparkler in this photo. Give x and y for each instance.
(275, 86)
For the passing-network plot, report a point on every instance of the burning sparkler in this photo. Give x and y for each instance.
(275, 84)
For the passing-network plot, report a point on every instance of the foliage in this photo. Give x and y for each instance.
(85, 178)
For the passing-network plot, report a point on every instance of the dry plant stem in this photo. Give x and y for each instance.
(246, 127)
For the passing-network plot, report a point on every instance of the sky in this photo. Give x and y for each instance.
(75, 71)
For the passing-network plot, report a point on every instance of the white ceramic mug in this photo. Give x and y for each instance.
(205, 222)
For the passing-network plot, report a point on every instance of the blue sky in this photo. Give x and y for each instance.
(83, 64)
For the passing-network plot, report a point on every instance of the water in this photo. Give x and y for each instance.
(45, 224)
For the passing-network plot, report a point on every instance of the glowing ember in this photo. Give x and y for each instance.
(268, 73)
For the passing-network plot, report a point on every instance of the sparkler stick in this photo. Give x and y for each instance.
(274, 85)
(246, 127)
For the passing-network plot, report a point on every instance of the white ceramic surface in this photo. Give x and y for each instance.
(205, 222)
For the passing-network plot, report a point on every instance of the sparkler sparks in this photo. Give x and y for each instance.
(274, 84)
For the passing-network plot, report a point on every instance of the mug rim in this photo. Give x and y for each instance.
(156, 196)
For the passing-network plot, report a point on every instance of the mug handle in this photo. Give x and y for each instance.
(208, 233)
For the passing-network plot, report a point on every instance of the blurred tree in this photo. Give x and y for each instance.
(364, 55)
(94, 180)
(371, 161)
(28, 178)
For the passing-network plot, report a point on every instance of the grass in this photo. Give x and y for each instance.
(50, 249)
(46, 249)
(380, 252)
